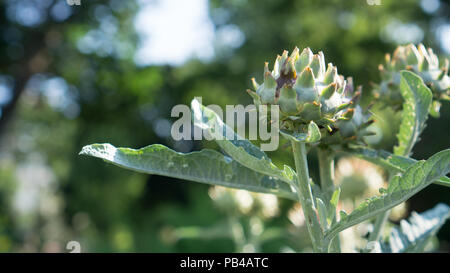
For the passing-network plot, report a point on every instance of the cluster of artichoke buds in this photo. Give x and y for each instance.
(307, 90)
(424, 63)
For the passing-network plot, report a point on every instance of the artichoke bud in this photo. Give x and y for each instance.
(305, 89)
(420, 60)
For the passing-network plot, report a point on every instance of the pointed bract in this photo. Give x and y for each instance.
(304, 59)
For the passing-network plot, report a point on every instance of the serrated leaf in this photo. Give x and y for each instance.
(312, 134)
(240, 149)
(206, 166)
(401, 188)
(390, 162)
(417, 102)
(412, 236)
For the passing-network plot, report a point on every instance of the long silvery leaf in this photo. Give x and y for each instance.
(413, 235)
(401, 188)
(390, 162)
(417, 101)
(240, 149)
(206, 166)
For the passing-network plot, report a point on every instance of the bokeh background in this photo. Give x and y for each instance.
(111, 71)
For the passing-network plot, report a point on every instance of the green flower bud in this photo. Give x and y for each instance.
(305, 89)
(419, 60)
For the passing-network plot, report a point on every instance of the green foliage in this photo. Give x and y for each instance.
(305, 88)
(116, 101)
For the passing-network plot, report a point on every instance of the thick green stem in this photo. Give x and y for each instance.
(326, 170)
(306, 197)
